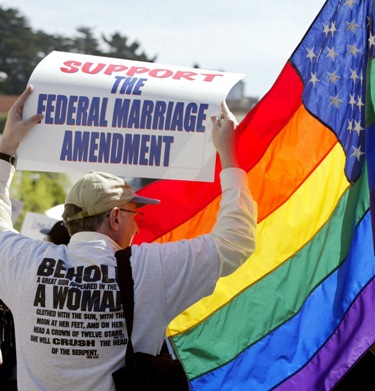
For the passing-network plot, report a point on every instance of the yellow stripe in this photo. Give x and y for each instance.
(279, 236)
(295, 146)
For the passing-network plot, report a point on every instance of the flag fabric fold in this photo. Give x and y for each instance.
(300, 312)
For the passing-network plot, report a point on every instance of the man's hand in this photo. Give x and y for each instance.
(16, 128)
(224, 137)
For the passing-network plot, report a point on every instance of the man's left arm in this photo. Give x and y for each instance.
(6, 174)
(14, 131)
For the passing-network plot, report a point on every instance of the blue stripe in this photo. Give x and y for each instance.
(288, 348)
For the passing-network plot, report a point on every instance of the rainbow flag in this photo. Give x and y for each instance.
(301, 311)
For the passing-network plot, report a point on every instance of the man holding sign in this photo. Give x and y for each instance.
(70, 328)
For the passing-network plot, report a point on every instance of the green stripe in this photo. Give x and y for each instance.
(277, 297)
(370, 92)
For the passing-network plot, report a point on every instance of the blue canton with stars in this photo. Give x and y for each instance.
(331, 60)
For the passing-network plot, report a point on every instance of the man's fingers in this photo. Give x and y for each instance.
(226, 113)
(215, 120)
(22, 98)
(33, 120)
(225, 109)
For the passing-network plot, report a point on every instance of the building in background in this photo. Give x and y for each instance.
(238, 103)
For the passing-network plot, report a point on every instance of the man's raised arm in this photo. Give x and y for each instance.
(14, 131)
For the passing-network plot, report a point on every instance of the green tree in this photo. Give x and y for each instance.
(85, 42)
(18, 51)
(38, 191)
(46, 43)
(21, 48)
(119, 47)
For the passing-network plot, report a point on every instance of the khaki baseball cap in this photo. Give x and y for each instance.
(98, 192)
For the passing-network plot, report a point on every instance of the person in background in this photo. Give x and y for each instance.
(8, 362)
(58, 234)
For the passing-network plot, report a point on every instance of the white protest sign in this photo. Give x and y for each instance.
(130, 118)
(34, 222)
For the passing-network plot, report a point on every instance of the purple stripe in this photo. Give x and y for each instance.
(372, 212)
(356, 332)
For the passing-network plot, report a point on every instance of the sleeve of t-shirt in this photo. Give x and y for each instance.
(234, 233)
(6, 174)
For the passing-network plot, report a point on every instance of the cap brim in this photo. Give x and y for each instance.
(141, 201)
(45, 231)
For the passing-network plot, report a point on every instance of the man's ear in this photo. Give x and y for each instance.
(114, 219)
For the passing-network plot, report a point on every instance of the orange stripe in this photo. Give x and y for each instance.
(289, 160)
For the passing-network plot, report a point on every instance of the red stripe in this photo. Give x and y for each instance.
(260, 126)
(180, 200)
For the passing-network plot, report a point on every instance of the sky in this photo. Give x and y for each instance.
(251, 37)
